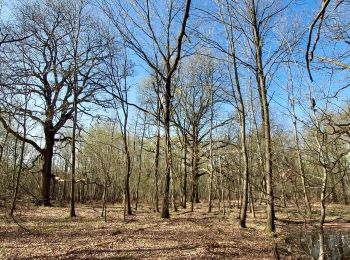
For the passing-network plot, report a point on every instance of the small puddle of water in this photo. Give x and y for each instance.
(313, 244)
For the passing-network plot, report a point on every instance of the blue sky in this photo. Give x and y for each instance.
(303, 12)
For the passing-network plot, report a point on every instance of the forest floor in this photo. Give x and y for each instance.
(49, 233)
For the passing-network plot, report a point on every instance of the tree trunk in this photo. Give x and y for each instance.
(47, 165)
(345, 195)
(165, 210)
(104, 201)
(323, 196)
(244, 154)
(156, 159)
(322, 252)
(323, 162)
(21, 158)
(300, 159)
(194, 192)
(251, 200)
(260, 77)
(64, 193)
(211, 151)
(140, 165)
(127, 183)
(184, 184)
(72, 193)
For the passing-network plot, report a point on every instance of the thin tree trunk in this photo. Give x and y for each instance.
(140, 164)
(21, 158)
(194, 173)
(127, 177)
(156, 159)
(322, 252)
(300, 159)
(222, 187)
(322, 161)
(15, 157)
(211, 150)
(218, 189)
(184, 184)
(2, 147)
(270, 210)
(260, 153)
(251, 201)
(237, 93)
(345, 196)
(104, 201)
(284, 194)
(165, 210)
(173, 192)
(65, 179)
(168, 97)
(72, 194)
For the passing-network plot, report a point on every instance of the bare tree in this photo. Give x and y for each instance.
(153, 44)
(228, 23)
(197, 89)
(50, 63)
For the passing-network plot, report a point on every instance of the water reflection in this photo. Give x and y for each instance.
(321, 243)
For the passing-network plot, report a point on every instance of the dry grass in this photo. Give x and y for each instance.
(187, 235)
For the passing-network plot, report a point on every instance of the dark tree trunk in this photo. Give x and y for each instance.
(165, 210)
(196, 189)
(127, 182)
(47, 166)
